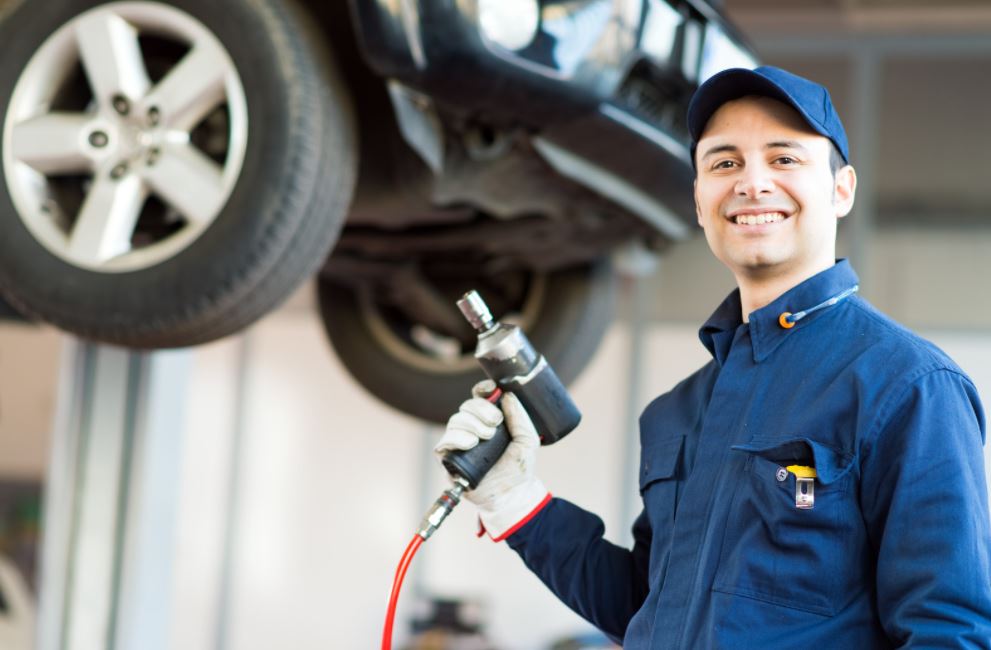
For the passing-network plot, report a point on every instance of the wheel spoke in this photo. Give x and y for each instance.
(193, 88)
(52, 143)
(111, 56)
(107, 219)
(188, 181)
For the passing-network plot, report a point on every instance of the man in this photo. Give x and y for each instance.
(820, 482)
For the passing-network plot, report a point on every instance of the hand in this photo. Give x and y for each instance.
(510, 493)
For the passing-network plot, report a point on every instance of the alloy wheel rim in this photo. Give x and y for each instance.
(146, 184)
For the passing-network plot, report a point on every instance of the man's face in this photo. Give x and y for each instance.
(765, 194)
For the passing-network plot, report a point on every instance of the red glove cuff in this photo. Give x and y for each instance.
(515, 527)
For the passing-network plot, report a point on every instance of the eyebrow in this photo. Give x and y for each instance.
(777, 144)
(720, 148)
(785, 144)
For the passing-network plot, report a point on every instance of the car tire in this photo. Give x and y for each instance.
(282, 214)
(569, 311)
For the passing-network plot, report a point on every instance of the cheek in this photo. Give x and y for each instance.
(708, 201)
(813, 195)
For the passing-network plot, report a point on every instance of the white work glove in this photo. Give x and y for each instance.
(510, 494)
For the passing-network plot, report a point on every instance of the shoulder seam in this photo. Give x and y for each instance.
(886, 411)
(861, 305)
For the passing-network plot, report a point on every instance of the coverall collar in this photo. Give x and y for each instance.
(766, 334)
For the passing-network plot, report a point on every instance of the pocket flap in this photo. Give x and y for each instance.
(830, 464)
(659, 459)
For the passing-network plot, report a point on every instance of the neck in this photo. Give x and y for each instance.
(760, 289)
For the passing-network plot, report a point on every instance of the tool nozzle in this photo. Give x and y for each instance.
(476, 311)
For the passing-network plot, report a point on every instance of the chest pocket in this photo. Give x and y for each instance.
(773, 551)
(659, 485)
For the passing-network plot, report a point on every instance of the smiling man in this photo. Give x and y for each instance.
(820, 482)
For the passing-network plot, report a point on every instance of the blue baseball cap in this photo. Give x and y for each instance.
(811, 100)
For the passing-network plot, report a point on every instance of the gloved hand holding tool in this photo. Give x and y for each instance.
(510, 492)
(537, 410)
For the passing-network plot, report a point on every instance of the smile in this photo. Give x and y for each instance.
(758, 219)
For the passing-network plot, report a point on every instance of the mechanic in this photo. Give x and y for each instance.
(820, 482)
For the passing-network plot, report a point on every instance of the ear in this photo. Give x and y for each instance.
(845, 189)
(695, 193)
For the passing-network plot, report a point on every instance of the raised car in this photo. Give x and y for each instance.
(174, 170)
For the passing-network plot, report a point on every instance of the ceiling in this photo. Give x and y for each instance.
(930, 16)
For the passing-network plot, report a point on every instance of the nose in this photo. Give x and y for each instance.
(754, 182)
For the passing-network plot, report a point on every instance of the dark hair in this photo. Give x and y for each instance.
(836, 162)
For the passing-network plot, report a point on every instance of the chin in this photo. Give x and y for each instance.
(763, 267)
(760, 261)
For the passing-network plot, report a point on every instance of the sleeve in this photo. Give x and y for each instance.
(604, 583)
(925, 502)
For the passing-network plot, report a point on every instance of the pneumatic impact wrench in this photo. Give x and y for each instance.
(510, 360)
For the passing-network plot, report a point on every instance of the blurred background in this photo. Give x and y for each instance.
(292, 492)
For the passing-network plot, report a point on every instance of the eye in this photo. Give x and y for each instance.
(785, 160)
(724, 164)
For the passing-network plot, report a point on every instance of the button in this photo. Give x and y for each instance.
(782, 474)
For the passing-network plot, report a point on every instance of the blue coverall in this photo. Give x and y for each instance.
(896, 550)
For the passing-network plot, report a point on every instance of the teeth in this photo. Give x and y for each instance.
(756, 219)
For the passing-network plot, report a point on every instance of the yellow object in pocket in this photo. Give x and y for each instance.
(802, 471)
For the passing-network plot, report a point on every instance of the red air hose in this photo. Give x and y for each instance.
(434, 518)
(397, 584)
